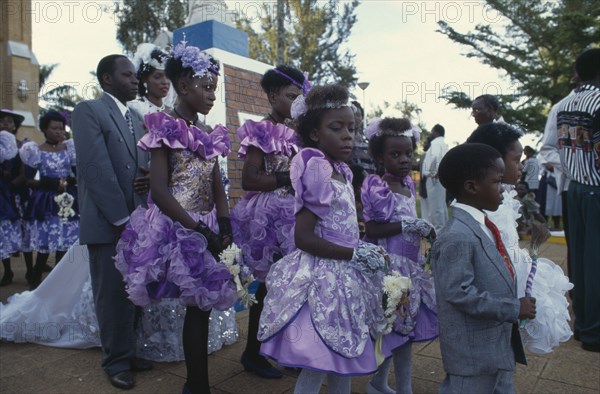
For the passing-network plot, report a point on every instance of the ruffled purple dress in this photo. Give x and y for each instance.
(10, 224)
(417, 321)
(47, 231)
(262, 221)
(158, 257)
(320, 313)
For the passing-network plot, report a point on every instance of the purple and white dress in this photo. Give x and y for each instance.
(262, 221)
(158, 257)
(417, 321)
(321, 313)
(10, 223)
(47, 231)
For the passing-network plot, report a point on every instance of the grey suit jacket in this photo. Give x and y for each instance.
(108, 161)
(477, 301)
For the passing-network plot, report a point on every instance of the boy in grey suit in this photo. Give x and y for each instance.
(476, 294)
(112, 183)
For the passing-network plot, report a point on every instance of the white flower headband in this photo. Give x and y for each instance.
(374, 129)
(299, 106)
(143, 59)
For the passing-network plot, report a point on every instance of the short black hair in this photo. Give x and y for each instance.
(49, 117)
(175, 70)
(317, 99)
(359, 107)
(438, 128)
(529, 149)
(489, 101)
(587, 64)
(497, 135)
(390, 126)
(466, 162)
(107, 65)
(272, 81)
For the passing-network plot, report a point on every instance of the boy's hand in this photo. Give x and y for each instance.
(527, 310)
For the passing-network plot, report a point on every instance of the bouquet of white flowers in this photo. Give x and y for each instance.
(65, 205)
(395, 293)
(241, 276)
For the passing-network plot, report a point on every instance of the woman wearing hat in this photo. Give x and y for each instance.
(14, 195)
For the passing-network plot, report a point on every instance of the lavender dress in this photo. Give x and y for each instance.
(262, 221)
(418, 319)
(159, 258)
(48, 232)
(320, 313)
(10, 224)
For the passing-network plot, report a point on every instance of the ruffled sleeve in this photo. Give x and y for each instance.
(377, 198)
(210, 145)
(8, 146)
(310, 173)
(164, 130)
(30, 154)
(268, 137)
(71, 152)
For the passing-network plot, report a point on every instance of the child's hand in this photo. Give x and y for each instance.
(419, 226)
(527, 310)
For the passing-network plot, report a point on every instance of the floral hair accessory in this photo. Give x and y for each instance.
(374, 129)
(197, 60)
(299, 106)
(149, 56)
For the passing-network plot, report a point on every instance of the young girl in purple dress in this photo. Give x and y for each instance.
(324, 301)
(171, 249)
(389, 204)
(263, 219)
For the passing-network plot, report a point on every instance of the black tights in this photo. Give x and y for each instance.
(253, 344)
(195, 349)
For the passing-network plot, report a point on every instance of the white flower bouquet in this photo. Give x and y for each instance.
(395, 294)
(65, 206)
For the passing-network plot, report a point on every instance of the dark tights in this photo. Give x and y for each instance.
(195, 349)
(253, 344)
(40, 262)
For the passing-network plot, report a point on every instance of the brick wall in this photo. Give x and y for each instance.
(242, 94)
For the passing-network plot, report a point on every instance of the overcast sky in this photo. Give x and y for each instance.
(397, 51)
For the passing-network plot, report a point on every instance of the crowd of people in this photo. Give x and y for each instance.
(138, 202)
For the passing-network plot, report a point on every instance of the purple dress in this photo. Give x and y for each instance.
(47, 231)
(158, 257)
(10, 224)
(262, 221)
(321, 313)
(418, 319)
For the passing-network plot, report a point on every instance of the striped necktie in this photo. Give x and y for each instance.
(129, 121)
(500, 245)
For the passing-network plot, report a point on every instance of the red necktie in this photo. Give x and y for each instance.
(500, 245)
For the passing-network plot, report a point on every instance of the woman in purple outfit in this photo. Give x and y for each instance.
(390, 212)
(52, 228)
(324, 300)
(171, 249)
(263, 219)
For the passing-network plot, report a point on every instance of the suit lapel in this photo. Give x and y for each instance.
(487, 244)
(121, 124)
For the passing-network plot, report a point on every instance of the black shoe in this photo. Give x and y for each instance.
(46, 268)
(35, 280)
(590, 347)
(140, 365)
(122, 380)
(260, 367)
(7, 278)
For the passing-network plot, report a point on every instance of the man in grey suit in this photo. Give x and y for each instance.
(112, 180)
(476, 292)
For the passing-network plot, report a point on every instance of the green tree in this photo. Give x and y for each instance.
(535, 44)
(51, 97)
(314, 34)
(140, 21)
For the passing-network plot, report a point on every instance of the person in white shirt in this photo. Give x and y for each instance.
(434, 207)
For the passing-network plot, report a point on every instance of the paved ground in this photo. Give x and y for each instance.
(26, 368)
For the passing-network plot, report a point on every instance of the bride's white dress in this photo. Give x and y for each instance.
(551, 325)
(60, 313)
